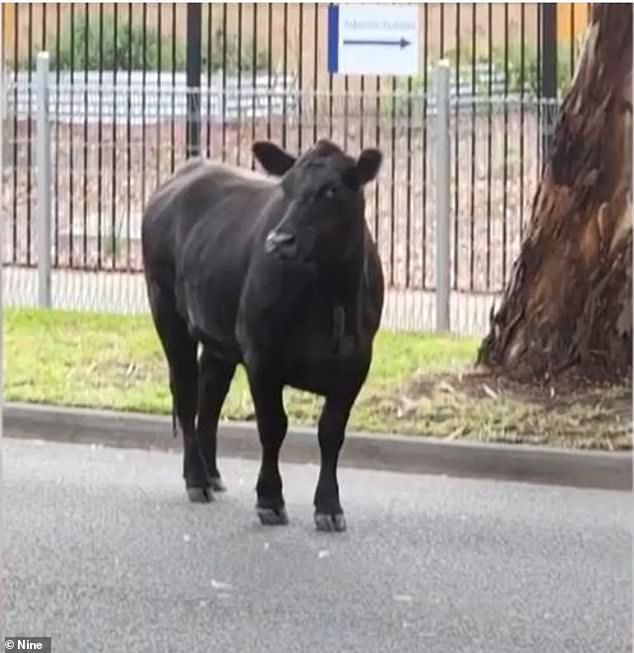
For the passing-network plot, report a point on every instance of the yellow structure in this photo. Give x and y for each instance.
(572, 20)
(8, 12)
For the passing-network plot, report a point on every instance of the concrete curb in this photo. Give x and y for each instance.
(413, 455)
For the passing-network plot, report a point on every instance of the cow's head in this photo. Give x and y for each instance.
(324, 188)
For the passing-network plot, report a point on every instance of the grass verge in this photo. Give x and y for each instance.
(418, 384)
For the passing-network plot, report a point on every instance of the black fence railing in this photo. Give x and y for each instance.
(136, 88)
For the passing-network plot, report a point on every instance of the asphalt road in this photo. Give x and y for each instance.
(103, 553)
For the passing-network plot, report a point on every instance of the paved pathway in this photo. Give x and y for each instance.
(105, 554)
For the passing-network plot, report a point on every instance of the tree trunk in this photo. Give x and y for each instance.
(568, 304)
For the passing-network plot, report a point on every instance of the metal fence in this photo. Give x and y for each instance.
(110, 146)
(529, 40)
(116, 134)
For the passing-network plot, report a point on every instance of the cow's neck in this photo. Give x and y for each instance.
(340, 278)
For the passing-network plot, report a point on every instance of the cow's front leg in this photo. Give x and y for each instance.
(331, 431)
(272, 425)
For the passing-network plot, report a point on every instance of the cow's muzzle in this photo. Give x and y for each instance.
(282, 244)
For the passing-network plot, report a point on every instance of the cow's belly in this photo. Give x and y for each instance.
(210, 319)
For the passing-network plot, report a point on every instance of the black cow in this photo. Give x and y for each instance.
(278, 273)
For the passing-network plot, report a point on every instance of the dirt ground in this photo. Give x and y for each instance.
(481, 406)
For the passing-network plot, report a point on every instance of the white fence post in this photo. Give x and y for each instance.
(443, 180)
(43, 162)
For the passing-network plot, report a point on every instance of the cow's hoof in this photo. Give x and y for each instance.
(217, 485)
(272, 516)
(330, 523)
(200, 494)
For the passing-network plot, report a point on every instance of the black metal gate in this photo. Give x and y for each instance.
(136, 88)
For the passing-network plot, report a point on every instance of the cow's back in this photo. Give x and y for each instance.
(203, 196)
(198, 234)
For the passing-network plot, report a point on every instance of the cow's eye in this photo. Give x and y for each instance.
(331, 191)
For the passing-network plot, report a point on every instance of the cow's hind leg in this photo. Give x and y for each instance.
(180, 350)
(215, 377)
(272, 425)
(331, 432)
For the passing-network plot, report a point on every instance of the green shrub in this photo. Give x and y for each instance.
(127, 51)
(530, 74)
(230, 54)
(123, 53)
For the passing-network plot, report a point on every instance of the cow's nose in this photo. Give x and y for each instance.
(281, 243)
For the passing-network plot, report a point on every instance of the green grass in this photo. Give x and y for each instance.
(418, 384)
(88, 359)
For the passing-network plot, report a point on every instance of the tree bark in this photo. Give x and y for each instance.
(568, 304)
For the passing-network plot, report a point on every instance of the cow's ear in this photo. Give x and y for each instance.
(368, 165)
(272, 158)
